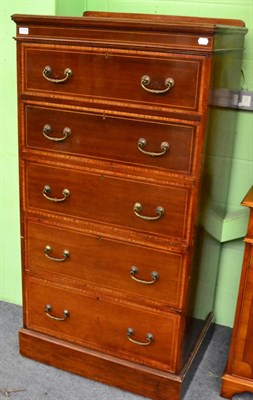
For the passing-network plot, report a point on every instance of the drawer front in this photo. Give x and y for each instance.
(117, 76)
(138, 271)
(110, 138)
(108, 199)
(100, 324)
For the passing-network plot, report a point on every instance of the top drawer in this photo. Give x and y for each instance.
(154, 79)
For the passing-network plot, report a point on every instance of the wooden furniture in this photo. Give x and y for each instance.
(238, 376)
(112, 127)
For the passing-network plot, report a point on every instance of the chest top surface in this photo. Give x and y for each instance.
(191, 34)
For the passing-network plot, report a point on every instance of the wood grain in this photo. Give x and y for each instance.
(107, 109)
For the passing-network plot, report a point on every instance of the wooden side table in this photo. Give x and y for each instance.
(238, 376)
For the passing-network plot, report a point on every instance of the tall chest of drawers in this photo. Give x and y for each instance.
(113, 122)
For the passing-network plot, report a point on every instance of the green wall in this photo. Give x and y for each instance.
(230, 230)
(70, 7)
(10, 276)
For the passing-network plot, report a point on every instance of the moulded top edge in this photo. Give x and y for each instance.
(136, 21)
(165, 19)
(248, 199)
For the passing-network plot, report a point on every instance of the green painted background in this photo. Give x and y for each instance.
(230, 230)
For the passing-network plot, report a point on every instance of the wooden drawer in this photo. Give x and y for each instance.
(114, 76)
(109, 264)
(108, 199)
(111, 138)
(97, 323)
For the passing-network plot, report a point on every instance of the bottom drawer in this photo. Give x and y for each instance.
(108, 263)
(142, 336)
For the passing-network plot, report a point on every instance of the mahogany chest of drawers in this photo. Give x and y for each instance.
(238, 376)
(113, 127)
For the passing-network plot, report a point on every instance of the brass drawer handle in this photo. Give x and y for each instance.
(154, 275)
(49, 308)
(47, 129)
(145, 81)
(48, 70)
(48, 250)
(149, 338)
(143, 142)
(138, 207)
(47, 190)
